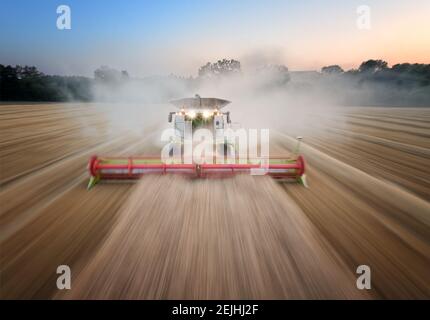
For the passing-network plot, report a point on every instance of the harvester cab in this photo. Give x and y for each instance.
(197, 112)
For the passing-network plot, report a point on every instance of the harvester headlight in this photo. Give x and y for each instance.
(207, 114)
(191, 114)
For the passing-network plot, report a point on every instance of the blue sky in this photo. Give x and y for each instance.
(161, 37)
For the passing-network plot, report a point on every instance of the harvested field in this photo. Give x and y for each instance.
(237, 238)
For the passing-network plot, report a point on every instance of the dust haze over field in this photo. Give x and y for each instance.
(260, 99)
(265, 95)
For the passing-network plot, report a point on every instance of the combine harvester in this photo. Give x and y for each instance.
(200, 113)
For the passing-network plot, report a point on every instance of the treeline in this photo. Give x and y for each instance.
(29, 84)
(384, 85)
(404, 75)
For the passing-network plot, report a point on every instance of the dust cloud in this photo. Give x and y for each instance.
(262, 97)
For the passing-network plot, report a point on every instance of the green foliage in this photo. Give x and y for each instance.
(221, 67)
(372, 66)
(28, 84)
(108, 75)
(333, 69)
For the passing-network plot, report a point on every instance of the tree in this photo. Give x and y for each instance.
(411, 74)
(221, 67)
(333, 69)
(109, 75)
(416, 68)
(372, 66)
(28, 72)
